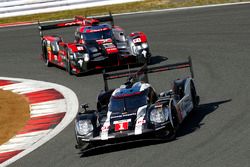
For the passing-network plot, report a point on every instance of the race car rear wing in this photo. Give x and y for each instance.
(145, 70)
(104, 19)
(78, 20)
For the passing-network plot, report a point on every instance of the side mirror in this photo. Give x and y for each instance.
(85, 106)
(55, 52)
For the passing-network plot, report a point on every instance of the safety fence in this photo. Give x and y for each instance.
(10, 8)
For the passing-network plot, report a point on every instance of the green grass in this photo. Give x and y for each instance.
(119, 8)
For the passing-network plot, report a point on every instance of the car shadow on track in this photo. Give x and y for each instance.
(154, 60)
(193, 121)
(119, 147)
(157, 59)
(190, 124)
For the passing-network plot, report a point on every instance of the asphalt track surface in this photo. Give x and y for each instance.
(217, 134)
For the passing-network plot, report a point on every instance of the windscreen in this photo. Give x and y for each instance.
(97, 35)
(127, 103)
(79, 54)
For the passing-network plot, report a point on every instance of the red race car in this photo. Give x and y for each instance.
(98, 44)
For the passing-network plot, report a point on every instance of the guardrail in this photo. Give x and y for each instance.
(10, 8)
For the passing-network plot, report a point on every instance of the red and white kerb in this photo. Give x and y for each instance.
(48, 108)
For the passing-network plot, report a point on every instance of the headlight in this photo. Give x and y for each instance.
(144, 45)
(159, 115)
(72, 56)
(84, 127)
(86, 57)
(138, 47)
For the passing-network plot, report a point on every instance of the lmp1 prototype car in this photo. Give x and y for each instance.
(97, 45)
(135, 110)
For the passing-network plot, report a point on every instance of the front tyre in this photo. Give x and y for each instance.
(175, 123)
(144, 57)
(69, 69)
(169, 132)
(195, 98)
(47, 63)
(148, 59)
(81, 144)
(45, 54)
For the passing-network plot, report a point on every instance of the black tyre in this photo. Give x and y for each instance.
(45, 54)
(175, 118)
(148, 60)
(141, 60)
(176, 123)
(195, 98)
(81, 144)
(47, 63)
(69, 69)
(169, 132)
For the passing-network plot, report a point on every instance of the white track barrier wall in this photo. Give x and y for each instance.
(10, 8)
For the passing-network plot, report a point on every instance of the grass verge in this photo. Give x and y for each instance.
(119, 8)
(14, 113)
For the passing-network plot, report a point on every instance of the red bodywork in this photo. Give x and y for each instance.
(60, 57)
(138, 37)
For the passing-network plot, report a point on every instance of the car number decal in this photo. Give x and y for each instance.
(136, 40)
(121, 125)
(79, 48)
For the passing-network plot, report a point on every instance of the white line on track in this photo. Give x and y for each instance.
(134, 13)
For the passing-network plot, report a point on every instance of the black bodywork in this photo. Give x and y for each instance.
(138, 118)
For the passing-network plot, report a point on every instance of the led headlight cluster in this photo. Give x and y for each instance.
(72, 56)
(86, 57)
(144, 45)
(84, 127)
(159, 115)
